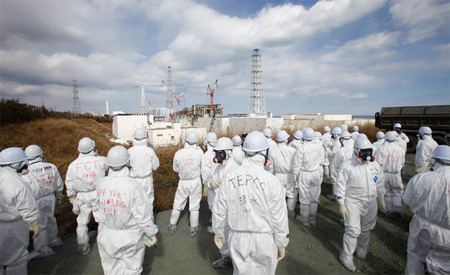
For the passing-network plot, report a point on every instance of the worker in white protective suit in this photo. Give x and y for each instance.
(377, 144)
(226, 164)
(391, 157)
(427, 194)
(336, 145)
(344, 153)
(208, 167)
(398, 129)
(298, 139)
(359, 189)
(81, 181)
(252, 201)
(124, 216)
(18, 208)
(424, 150)
(308, 176)
(327, 144)
(144, 161)
(187, 163)
(283, 157)
(238, 153)
(343, 127)
(268, 134)
(44, 179)
(355, 132)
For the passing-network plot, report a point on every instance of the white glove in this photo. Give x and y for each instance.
(205, 190)
(36, 228)
(59, 195)
(294, 176)
(72, 199)
(149, 241)
(381, 204)
(343, 210)
(214, 184)
(219, 239)
(281, 253)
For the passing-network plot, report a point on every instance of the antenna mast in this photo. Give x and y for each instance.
(257, 104)
(76, 99)
(169, 100)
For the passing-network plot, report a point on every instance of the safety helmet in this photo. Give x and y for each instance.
(326, 129)
(267, 132)
(345, 135)
(355, 128)
(391, 136)
(192, 137)
(380, 135)
(362, 143)
(442, 152)
(86, 145)
(425, 130)
(343, 127)
(223, 143)
(397, 125)
(298, 134)
(139, 134)
(118, 156)
(282, 136)
(237, 140)
(336, 131)
(308, 134)
(211, 138)
(34, 151)
(318, 135)
(12, 155)
(255, 142)
(361, 136)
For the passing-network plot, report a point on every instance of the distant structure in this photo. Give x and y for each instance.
(107, 107)
(257, 103)
(76, 100)
(142, 90)
(169, 100)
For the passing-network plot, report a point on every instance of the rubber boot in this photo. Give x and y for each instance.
(348, 248)
(363, 243)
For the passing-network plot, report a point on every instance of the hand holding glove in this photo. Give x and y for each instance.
(214, 184)
(343, 210)
(36, 228)
(381, 204)
(219, 239)
(281, 253)
(149, 241)
(294, 176)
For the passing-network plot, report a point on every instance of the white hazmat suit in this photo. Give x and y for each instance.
(124, 215)
(424, 151)
(17, 209)
(81, 181)
(207, 168)
(427, 194)
(253, 202)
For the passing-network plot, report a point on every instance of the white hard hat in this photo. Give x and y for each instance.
(336, 131)
(425, 130)
(343, 127)
(308, 134)
(380, 135)
(326, 129)
(86, 145)
(282, 136)
(318, 135)
(361, 136)
(140, 134)
(224, 143)
(298, 134)
(34, 151)
(345, 135)
(237, 140)
(355, 128)
(192, 137)
(117, 157)
(442, 152)
(255, 142)
(391, 136)
(362, 143)
(267, 132)
(211, 138)
(397, 125)
(12, 155)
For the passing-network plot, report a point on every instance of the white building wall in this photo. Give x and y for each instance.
(239, 125)
(124, 125)
(173, 136)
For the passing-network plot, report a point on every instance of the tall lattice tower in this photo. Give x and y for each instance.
(257, 103)
(142, 99)
(76, 99)
(169, 100)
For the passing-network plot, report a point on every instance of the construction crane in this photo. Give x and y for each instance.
(149, 104)
(210, 91)
(180, 97)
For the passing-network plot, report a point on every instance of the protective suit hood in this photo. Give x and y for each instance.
(142, 142)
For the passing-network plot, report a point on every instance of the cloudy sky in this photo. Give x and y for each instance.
(333, 57)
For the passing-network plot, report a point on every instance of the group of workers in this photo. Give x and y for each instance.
(252, 188)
